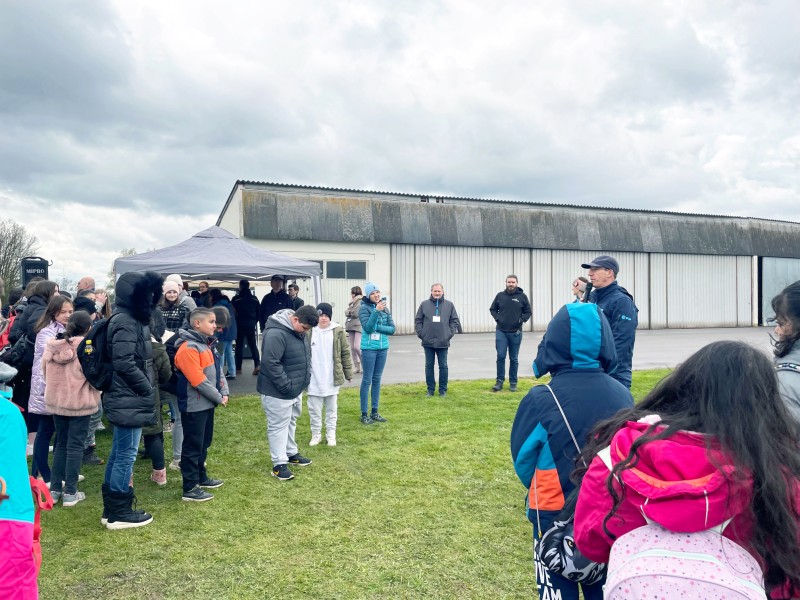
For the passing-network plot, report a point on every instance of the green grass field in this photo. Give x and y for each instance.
(424, 506)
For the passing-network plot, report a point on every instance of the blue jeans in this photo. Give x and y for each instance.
(440, 355)
(507, 342)
(119, 468)
(372, 361)
(228, 358)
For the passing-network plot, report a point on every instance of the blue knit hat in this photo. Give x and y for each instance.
(369, 288)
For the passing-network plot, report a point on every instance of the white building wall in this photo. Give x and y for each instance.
(701, 291)
(744, 296)
(659, 313)
(539, 288)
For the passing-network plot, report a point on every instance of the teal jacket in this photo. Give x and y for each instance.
(374, 321)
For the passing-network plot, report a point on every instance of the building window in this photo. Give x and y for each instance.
(351, 269)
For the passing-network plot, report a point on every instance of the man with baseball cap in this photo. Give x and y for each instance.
(619, 308)
(276, 300)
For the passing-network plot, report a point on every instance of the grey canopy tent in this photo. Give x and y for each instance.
(217, 254)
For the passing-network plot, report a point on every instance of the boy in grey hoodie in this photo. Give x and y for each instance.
(201, 388)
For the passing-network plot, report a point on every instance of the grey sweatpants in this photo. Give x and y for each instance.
(281, 426)
(315, 404)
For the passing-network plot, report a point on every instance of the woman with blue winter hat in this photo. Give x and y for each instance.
(376, 325)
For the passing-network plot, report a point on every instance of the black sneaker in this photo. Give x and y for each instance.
(377, 418)
(282, 472)
(512, 387)
(443, 394)
(497, 386)
(299, 461)
(365, 420)
(90, 457)
(430, 393)
(211, 483)
(197, 494)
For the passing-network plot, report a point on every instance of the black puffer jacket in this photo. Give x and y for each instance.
(285, 359)
(25, 323)
(129, 402)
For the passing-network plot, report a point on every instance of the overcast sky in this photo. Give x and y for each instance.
(126, 124)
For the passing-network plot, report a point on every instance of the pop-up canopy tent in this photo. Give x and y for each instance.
(216, 254)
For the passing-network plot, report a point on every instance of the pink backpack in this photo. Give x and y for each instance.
(653, 562)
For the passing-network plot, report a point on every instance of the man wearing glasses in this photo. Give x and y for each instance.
(619, 308)
(285, 372)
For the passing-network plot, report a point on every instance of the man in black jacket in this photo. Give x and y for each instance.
(285, 373)
(276, 300)
(129, 402)
(435, 323)
(510, 310)
(245, 306)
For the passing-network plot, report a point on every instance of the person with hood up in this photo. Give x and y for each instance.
(578, 351)
(129, 403)
(331, 365)
(510, 309)
(712, 442)
(285, 372)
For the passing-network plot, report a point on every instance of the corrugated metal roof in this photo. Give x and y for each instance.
(499, 200)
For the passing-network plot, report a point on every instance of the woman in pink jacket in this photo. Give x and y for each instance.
(713, 441)
(72, 402)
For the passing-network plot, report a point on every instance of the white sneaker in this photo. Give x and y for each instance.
(331, 439)
(29, 450)
(175, 465)
(316, 438)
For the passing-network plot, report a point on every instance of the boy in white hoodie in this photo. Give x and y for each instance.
(331, 364)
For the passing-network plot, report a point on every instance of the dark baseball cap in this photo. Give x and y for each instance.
(603, 262)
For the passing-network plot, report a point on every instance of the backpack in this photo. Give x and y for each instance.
(651, 561)
(95, 358)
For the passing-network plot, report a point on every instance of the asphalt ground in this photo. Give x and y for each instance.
(472, 356)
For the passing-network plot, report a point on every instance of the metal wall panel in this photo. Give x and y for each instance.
(522, 269)
(539, 288)
(657, 293)
(744, 287)
(403, 296)
(641, 287)
(701, 291)
(776, 274)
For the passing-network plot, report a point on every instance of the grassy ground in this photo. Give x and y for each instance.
(424, 506)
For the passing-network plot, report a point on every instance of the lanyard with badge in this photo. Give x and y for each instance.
(436, 317)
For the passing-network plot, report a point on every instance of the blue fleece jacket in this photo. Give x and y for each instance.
(623, 316)
(577, 350)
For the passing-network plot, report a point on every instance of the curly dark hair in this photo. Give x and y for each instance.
(729, 391)
(787, 313)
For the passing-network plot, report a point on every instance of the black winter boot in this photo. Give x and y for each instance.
(121, 514)
(104, 518)
(90, 456)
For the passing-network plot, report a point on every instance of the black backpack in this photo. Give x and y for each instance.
(95, 358)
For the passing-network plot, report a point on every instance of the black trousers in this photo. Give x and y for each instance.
(154, 449)
(198, 432)
(68, 452)
(246, 331)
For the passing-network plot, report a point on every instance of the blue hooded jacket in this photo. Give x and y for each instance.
(623, 316)
(578, 351)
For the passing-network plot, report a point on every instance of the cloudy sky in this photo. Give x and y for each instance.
(126, 124)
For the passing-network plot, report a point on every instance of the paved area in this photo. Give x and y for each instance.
(472, 356)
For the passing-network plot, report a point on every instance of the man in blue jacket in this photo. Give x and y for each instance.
(510, 310)
(619, 309)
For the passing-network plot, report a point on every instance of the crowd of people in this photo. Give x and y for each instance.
(714, 445)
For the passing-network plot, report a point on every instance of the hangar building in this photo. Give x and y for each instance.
(684, 270)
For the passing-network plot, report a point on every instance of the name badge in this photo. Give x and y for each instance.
(375, 336)
(437, 319)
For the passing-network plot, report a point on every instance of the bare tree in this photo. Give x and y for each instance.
(65, 283)
(15, 244)
(112, 276)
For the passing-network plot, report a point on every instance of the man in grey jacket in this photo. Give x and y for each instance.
(285, 372)
(436, 322)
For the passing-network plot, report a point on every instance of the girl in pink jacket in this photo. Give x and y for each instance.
(72, 402)
(713, 441)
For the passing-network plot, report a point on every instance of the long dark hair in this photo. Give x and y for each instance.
(787, 312)
(45, 289)
(80, 322)
(729, 391)
(50, 313)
